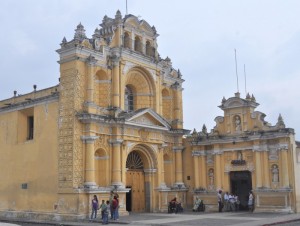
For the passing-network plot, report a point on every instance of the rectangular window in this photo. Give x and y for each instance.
(25, 129)
(30, 123)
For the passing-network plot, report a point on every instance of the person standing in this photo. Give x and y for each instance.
(237, 203)
(104, 211)
(251, 202)
(108, 210)
(100, 208)
(220, 203)
(231, 202)
(226, 201)
(95, 206)
(111, 197)
(115, 208)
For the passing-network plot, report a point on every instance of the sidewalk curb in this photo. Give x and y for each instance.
(282, 222)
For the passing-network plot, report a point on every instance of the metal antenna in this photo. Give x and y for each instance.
(245, 79)
(236, 72)
(126, 8)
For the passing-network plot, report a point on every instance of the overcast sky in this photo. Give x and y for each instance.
(199, 37)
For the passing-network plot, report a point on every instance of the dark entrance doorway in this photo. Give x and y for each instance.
(241, 184)
(128, 200)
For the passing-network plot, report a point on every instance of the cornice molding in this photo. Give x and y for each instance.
(249, 138)
(89, 139)
(198, 153)
(178, 149)
(30, 103)
(116, 142)
(218, 151)
(150, 171)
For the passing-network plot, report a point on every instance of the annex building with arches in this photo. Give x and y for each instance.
(115, 123)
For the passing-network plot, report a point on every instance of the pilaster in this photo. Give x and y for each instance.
(89, 141)
(116, 163)
(178, 165)
(116, 80)
(258, 173)
(91, 62)
(200, 168)
(266, 169)
(196, 171)
(177, 105)
(203, 180)
(284, 168)
(161, 169)
(218, 170)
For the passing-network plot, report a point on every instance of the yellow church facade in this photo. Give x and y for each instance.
(243, 153)
(115, 123)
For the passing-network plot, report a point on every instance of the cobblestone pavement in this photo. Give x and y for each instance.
(187, 218)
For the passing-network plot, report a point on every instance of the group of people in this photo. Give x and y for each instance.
(174, 206)
(110, 206)
(232, 203)
(198, 205)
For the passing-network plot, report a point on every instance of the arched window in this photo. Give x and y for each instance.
(126, 41)
(137, 44)
(128, 99)
(134, 161)
(148, 49)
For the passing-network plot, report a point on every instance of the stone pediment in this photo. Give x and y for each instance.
(149, 119)
(142, 25)
(236, 102)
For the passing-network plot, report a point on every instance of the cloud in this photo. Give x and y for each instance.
(199, 37)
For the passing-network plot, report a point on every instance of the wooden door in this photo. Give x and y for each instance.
(136, 180)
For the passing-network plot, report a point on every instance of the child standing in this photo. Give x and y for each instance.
(105, 210)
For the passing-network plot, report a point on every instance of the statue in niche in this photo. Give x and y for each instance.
(240, 155)
(211, 176)
(238, 126)
(275, 174)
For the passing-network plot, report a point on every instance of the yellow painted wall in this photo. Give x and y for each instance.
(32, 162)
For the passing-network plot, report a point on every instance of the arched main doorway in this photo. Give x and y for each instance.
(140, 160)
(135, 180)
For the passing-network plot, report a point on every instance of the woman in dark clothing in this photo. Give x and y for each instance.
(95, 206)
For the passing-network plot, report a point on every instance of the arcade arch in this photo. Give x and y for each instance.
(101, 167)
(141, 84)
(102, 85)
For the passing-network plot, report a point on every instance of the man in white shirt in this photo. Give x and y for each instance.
(220, 203)
(226, 201)
(231, 203)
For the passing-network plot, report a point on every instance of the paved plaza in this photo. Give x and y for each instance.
(187, 218)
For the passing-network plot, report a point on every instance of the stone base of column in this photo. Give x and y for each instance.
(179, 185)
(117, 185)
(90, 185)
(163, 186)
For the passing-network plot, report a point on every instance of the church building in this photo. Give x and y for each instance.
(115, 123)
(244, 153)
